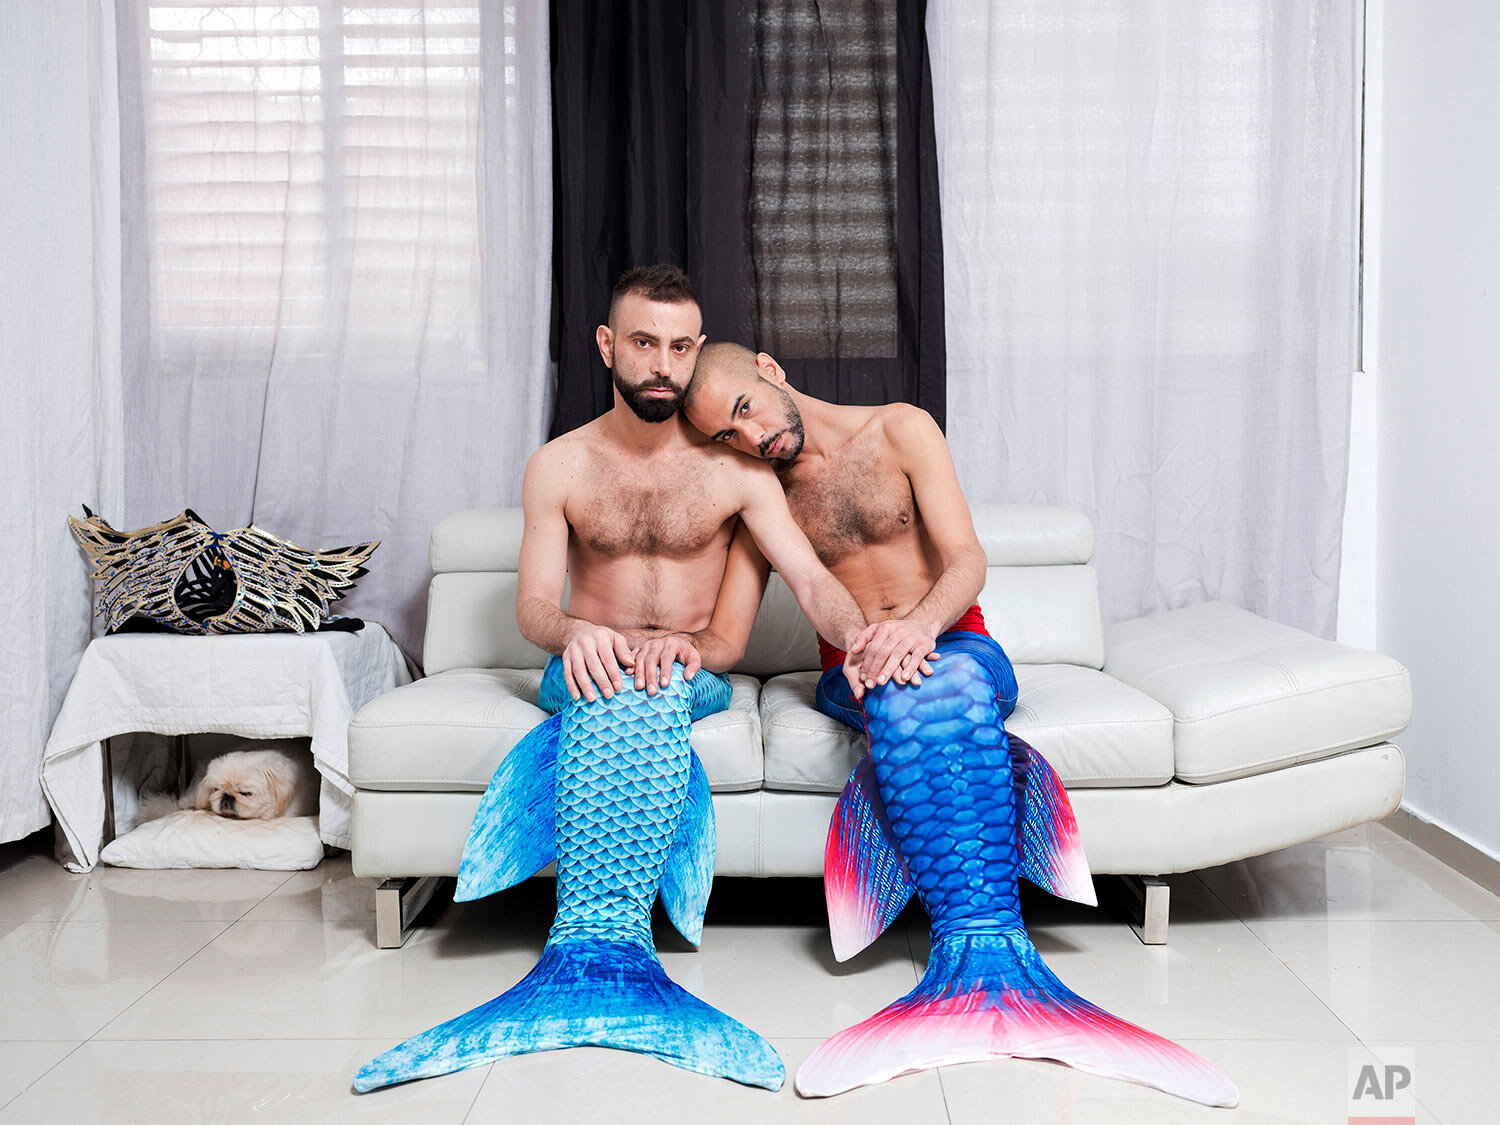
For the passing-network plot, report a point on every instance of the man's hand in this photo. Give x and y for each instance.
(851, 674)
(592, 659)
(896, 647)
(653, 660)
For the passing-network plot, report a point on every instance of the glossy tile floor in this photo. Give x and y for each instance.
(237, 995)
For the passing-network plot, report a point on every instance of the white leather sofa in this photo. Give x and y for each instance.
(1186, 739)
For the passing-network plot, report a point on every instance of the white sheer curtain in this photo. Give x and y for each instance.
(338, 264)
(1150, 231)
(60, 426)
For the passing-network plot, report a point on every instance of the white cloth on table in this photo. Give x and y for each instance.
(263, 685)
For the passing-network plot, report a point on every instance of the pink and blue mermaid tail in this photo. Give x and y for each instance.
(836, 700)
(859, 848)
(933, 808)
(613, 793)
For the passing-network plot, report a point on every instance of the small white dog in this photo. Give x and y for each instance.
(245, 785)
(256, 785)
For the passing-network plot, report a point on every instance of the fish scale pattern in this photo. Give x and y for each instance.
(621, 782)
(865, 876)
(622, 774)
(627, 795)
(942, 765)
(937, 754)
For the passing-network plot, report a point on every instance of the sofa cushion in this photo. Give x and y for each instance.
(1093, 729)
(1249, 695)
(806, 751)
(451, 731)
(1032, 534)
(471, 623)
(781, 639)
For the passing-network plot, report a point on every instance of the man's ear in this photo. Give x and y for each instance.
(701, 340)
(769, 370)
(605, 337)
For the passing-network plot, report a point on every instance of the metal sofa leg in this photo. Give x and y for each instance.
(1146, 902)
(397, 904)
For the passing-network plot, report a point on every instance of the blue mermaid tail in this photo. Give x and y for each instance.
(611, 791)
(866, 880)
(935, 806)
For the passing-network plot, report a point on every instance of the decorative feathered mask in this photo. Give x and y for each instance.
(184, 575)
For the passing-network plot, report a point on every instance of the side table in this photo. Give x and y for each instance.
(257, 685)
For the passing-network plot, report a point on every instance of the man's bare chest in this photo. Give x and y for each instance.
(670, 517)
(856, 502)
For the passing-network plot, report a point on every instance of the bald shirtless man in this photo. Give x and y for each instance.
(947, 805)
(875, 490)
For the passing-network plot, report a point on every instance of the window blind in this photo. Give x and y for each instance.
(315, 176)
(823, 179)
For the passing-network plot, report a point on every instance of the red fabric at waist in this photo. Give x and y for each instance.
(971, 622)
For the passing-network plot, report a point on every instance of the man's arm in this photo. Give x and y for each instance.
(898, 647)
(922, 453)
(831, 608)
(591, 654)
(720, 644)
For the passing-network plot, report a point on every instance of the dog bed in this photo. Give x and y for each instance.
(189, 838)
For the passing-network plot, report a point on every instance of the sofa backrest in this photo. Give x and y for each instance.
(471, 603)
(1040, 596)
(1040, 599)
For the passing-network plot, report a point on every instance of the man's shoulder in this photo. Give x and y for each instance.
(564, 449)
(730, 476)
(554, 470)
(905, 427)
(904, 416)
(737, 477)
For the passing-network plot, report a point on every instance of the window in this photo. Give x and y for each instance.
(315, 181)
(823, 181)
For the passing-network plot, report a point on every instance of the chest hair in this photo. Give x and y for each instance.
(857, 500)
(673, 517)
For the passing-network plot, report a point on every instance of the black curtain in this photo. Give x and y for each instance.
(780, 151)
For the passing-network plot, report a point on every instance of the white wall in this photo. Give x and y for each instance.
(1359, 566)
(1435, 242)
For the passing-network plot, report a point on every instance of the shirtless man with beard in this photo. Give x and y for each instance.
(875, 490)
(653, 526)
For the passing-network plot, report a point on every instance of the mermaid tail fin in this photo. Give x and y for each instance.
(689, 872)
(866, 881)
(1051, 850)
(611, 790)
(587, 993)
(513, 834)
(992, 996)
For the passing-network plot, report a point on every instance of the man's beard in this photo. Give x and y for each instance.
(648, 407)
(794, 434)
